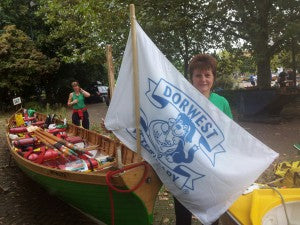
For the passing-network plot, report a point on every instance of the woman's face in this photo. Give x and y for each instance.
(76, 88)
(203, 80)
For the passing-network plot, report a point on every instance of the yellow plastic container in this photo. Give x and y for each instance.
(19, 119)
(264, 207)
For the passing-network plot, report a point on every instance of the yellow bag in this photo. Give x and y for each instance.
(19, 119)
(282, 168)
(290, 173)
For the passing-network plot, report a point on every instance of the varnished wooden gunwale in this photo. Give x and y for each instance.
(147, 192)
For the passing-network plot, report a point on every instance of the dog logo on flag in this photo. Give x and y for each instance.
(177, 135)
(170, 138)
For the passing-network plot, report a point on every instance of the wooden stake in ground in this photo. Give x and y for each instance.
(135, 80)
(110, 70)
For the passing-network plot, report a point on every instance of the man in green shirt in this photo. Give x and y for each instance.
(202, 70)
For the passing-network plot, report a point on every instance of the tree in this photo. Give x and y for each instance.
(78, 33)
(227, 66)
(293, 44)
(81, 29)
(84, 27)
(178, 27)
(21, 14)
(22, 66)
(263, 25)
(58, 85)
(230, 65)
(67, 31)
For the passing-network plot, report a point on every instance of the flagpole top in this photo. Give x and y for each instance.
(132, 11)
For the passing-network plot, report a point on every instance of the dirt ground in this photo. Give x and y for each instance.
(23, 202)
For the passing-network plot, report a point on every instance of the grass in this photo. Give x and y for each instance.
(3, 117)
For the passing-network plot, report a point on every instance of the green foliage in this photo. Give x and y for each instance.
(37, 106)
(225, 82)
(58, 86)
(230, 65)
(57, 109)
(67, 31)
(264, 26)
(22, 66)
(284, 59)
(289, 57)
(75, 33)
(247, 63)
(227, 67)
(179, 28)
(97, 128)
(22, 14)
(15, 12)
(81, 29)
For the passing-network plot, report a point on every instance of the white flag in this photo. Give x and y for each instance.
(203, 157)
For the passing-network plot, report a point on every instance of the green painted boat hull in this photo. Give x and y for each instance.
(88, 192)
(94, 200)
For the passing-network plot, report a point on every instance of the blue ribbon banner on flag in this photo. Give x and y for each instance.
(175, 141)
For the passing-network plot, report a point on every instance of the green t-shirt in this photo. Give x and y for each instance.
(221, 103)
(80, 104)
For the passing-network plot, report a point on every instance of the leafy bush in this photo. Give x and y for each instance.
(22, 65)
(37, 106)
(225, 82)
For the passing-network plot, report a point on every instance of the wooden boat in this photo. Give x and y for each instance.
(88, 191)
(265, 207)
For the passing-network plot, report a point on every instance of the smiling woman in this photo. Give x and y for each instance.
(202, 69)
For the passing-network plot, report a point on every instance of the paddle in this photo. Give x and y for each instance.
(65, 150)
(63, 142)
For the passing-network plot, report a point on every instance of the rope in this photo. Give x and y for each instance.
(282, 200)
(110, 174)
(283, 203)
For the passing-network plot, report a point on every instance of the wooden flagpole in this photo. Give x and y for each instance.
(135, 80)
(110, 70)
(111, 82)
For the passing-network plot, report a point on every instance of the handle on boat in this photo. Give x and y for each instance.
(110, 174)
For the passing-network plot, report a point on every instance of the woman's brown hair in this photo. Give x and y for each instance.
(74, 84)
(203, 62)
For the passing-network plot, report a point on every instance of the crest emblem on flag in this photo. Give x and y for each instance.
(176, 139)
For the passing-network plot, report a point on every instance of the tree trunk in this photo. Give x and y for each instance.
(186, 64)
(261, 40)
(47, 84)
(263, 59)
(263, 72)
(294, 61)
